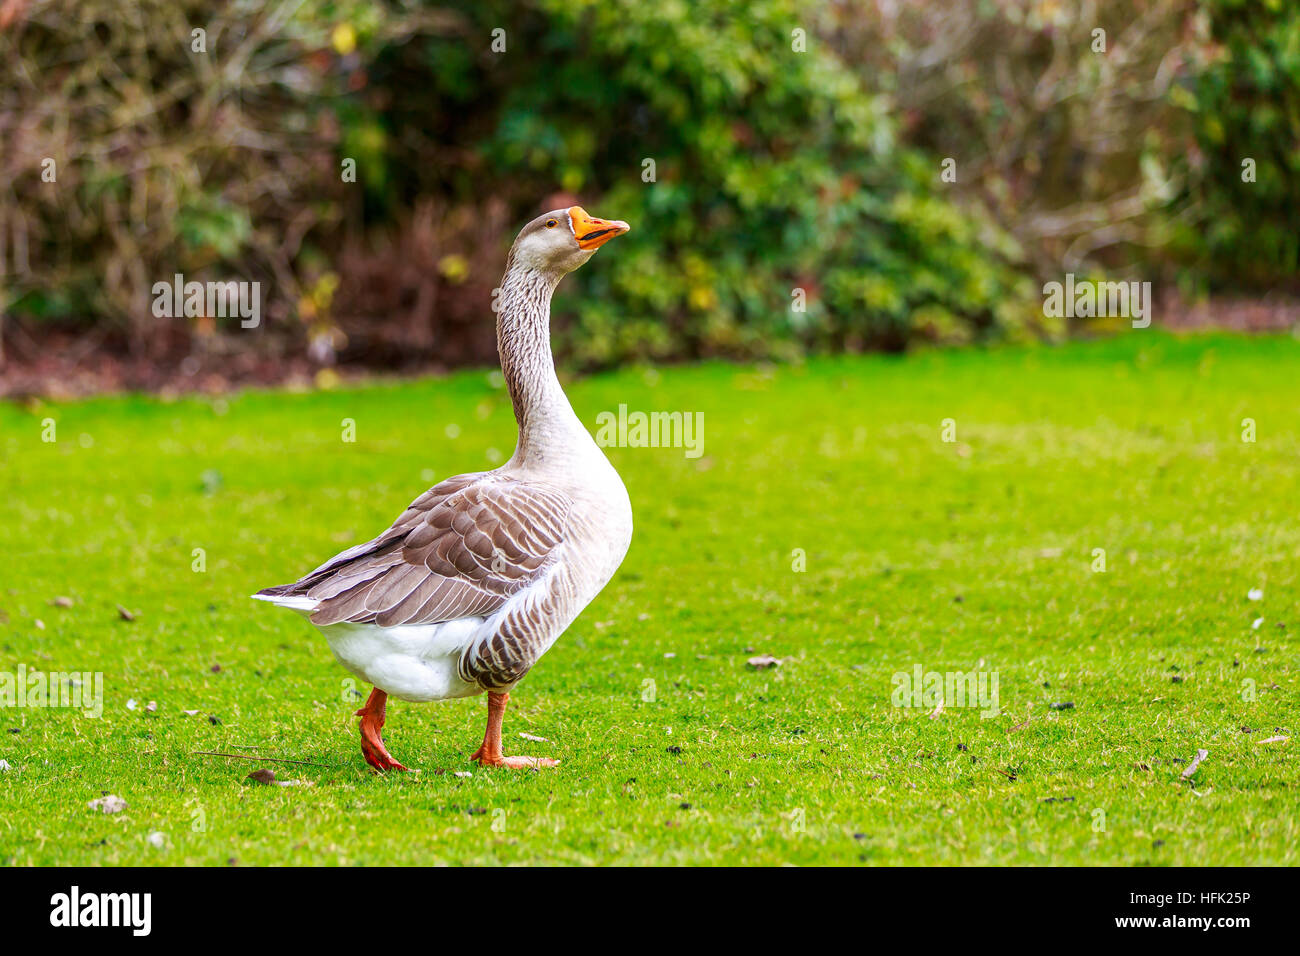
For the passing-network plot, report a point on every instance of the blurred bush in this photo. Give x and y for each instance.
(780, 164)
(778, 181)
(1106, 134)
(757, 179)
(1244, 104)
(163, 159)
(154, 137)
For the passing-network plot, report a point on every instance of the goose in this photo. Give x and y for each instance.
(481, 574)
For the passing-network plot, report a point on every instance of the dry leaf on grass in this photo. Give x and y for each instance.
(267, 777)
(764, 660)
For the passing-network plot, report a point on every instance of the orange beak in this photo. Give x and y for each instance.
(593, 233)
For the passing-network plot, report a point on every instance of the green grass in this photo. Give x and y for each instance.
(974, 554)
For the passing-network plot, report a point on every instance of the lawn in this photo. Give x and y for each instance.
(976, 554)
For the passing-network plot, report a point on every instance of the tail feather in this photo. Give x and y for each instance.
(283, 595)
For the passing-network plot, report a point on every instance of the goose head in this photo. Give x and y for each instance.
(557, 242)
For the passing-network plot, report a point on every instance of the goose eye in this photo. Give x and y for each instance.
(550, 224)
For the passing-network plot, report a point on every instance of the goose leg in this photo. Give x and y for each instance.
(489, 755)
(372, 722)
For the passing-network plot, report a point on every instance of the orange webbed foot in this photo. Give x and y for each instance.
(489, 755)
(514, 763)
(372, 743)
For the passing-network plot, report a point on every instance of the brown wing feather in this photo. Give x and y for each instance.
(461, 549)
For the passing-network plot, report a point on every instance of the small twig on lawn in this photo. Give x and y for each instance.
(214, 753)
(1196, 762)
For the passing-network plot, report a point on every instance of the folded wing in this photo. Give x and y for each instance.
(462, 549)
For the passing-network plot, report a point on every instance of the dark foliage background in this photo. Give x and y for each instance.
(774, 170)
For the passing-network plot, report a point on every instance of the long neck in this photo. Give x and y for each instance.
(548, 427)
